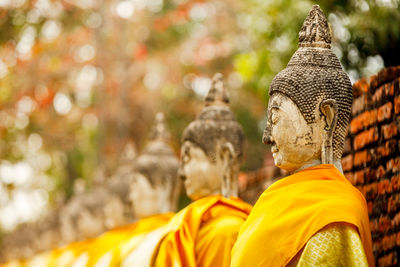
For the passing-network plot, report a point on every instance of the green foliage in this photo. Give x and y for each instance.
(362, 30)
(254, 148)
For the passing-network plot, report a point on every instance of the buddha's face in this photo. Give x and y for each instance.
(202, 177)
(294, 143)
(148, 199)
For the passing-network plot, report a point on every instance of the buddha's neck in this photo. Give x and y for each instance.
(337, 163)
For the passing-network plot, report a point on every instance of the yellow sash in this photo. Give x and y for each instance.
(292, 210)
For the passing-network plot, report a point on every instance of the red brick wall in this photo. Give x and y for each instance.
(372, 158)
(253, 184)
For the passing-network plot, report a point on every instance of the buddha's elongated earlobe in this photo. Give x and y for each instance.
(227, 155)
(329, 112)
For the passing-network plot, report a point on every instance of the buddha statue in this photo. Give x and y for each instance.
(212, 148)
(150, 183)
(314, 216)
(155, 188)
(202, 234)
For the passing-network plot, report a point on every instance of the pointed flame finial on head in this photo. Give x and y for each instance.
(315, 31)
(160, 130)
(217, 94)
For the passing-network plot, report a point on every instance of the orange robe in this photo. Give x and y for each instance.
(293, 210)
(208, 227)
(60, 257)
(202, 234)
(108, 249)
(112, 246)
(65, 256)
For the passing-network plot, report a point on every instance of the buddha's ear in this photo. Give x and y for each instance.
(227, 151)
(227, 155)
(329, 110)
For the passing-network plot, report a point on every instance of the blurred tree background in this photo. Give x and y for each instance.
(81, 78)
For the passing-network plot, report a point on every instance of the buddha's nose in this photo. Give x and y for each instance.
(267, 138)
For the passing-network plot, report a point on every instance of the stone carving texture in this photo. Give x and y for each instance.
(158, 162)
(215, 123)
(314, 74)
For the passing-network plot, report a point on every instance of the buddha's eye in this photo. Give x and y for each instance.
(274, 116)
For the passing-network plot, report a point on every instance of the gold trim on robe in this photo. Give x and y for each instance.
(337, 244)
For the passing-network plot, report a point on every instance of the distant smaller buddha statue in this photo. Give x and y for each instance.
(314, 217)
(203, 233)
(153, 191)
(156, 187)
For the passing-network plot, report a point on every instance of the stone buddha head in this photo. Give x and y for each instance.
(155, 186)
(310, 102)
(212, 147)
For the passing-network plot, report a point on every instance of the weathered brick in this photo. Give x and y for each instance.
(389, 130)
(385, 111)
(361, 158)
(373, 82)
(359, 177)
(396, 165)
(366, 137)
(388, 74)
(395, 181)
(387, 260)
(371, 191)
(389, 164)
(360, 104)
(384, 223)
(347, 162)
(384, 187)
(373, 222)
(363, 120)
(382, 76)
(396, 220)
(397, 105)
(360, 87)
(377, 96)
(388, 241)
(370, 175)
(370, 206)
(398, 239)
(393, 203)
(380, 172)
(387, 149)
(396, 86)
(393, 165)
(389, 89)
(362, 189)
(347, 146)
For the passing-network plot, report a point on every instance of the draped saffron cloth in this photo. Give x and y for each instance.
(107, 249)
(201, 234)
(295, 208)
(114, 245)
